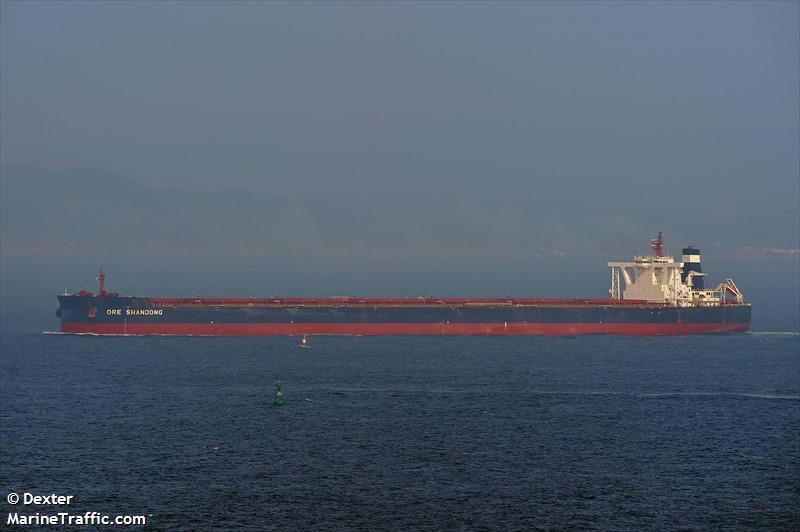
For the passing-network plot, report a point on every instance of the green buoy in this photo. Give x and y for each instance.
(278, 393)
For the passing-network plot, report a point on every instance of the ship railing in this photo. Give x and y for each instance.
(393, 302)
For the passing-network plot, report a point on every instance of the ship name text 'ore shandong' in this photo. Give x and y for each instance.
(652, 295)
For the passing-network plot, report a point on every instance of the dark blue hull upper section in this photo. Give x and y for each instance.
(103, 314)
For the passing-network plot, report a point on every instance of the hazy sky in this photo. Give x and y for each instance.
(349, 131)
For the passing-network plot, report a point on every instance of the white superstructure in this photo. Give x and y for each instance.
(659, 279)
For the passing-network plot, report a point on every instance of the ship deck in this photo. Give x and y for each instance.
(349, 301)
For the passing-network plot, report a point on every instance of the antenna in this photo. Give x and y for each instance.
(658, 245)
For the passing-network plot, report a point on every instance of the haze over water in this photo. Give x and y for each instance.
(247, 148)
(399, 149)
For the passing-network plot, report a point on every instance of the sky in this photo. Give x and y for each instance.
(395, 148)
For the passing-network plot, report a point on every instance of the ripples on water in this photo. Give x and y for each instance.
(410, 433)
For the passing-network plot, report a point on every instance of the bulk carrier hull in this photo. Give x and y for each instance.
(661, 297)
(422, 316)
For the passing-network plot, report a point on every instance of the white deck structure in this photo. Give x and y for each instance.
(656, 278)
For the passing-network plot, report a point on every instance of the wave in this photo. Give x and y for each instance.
(790, 397)
(653, 395)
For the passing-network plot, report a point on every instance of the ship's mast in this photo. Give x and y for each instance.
(102, 278)
(658, 245)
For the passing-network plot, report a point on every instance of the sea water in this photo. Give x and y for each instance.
(407, 433)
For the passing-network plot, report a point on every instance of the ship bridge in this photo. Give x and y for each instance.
(659, 278)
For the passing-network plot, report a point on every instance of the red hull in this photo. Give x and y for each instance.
(389, 329)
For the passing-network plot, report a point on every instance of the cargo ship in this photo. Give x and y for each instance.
(652, 295)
